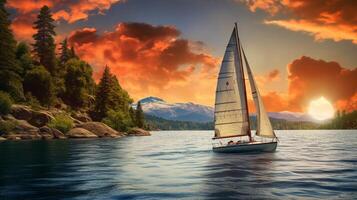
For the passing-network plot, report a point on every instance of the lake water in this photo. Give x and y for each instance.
(180, 165)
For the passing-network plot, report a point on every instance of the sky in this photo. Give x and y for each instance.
(298, 50)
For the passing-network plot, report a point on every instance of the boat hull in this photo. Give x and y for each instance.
(247, 147)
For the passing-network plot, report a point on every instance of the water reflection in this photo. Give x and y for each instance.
(179, 165)
(62, 169)
(232, 176)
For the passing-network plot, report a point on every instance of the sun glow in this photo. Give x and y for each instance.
(321, 109)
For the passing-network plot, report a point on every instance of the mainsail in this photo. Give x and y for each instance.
(264, 128)
(231, 111)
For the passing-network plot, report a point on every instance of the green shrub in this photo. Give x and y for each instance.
(39, 82)
(5, 103)
(62, 122)
(7, 126)
(118, 120)
(32, 101)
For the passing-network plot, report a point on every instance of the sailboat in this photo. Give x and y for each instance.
(231, 118)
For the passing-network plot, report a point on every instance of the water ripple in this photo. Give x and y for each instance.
(180, 165)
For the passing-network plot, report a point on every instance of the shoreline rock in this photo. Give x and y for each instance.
(80, 133)
(51, 133)
(35, 118)
(100, 129)
(138, 132)
(29, 124)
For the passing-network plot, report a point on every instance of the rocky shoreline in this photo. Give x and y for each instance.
(30, 124)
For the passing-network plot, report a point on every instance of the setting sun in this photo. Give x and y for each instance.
(321, 109)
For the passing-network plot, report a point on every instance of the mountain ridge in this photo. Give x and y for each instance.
(189, 111)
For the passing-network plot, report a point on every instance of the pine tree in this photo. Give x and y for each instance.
(103, 96)
(65, 54)
(132, 115)
(110, 96)
(139, 116)
(44, 46)
(120, 97)
(10, 80)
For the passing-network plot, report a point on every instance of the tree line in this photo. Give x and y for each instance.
(35, 75)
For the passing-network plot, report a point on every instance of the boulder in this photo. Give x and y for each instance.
(45, 129)
(51, 133)
(58, 134)
(12, 137)
(32, 136)
(36, 118)
(40, 118)
(8, 117)
(23, 126)
(75, 121)
(83, 117)
(80, 133)
(21, 112)
(46, 136)
(23, 130)
(100, 129)
(46, 133)
(138, 132)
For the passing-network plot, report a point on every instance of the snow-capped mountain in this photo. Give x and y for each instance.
(200, 113)
(176, 111)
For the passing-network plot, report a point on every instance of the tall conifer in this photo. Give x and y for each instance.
(10, 81)
(44, 46)
(103, 95)
(139, 116)
(132, 115)
(65, 54)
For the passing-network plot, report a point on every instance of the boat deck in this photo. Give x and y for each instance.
(256, 146)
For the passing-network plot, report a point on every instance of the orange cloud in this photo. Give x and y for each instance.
(264, 79)
(28, 6)
(336, 20)
(79, 10)
(348, 104)
(271, 6)
(310, 78)
(150, 60)
(336, 32)
(22, 26)
(273, 75)
(69, 11)
(273, 102)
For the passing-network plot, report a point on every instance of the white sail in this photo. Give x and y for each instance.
(264, 127)
(230, 106)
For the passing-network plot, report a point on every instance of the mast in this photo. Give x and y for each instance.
(245, 89)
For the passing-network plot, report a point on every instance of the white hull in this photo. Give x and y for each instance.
(247, 147)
